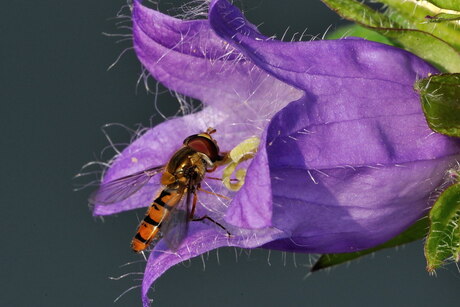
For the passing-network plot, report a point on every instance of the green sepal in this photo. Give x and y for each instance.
(415, 232)
(440, 97)
(446, 4)
(443, 241)
(443, 17)
(411, 15)
(423, 44)
(358, 31)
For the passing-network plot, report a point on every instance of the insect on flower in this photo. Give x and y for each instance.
(170, 212)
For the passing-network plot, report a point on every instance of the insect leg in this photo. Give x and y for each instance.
(214, 178)
(215, 194)
(211, 169)
(220, 179)
(210, 219)
(192, 211)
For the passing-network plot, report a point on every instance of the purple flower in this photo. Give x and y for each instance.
(346, 159)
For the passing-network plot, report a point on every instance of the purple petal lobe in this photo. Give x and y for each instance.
(188, 57)
(338, 193)
(319, 66)
(177, 52)
(201, 238)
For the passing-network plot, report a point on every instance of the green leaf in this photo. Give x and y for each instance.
(412, 15)
(358, 31)
(446, 4)
(423, 44)
(443, 241)
(413, 233)
(440, 97)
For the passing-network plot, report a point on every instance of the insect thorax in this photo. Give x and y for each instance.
(184, 166)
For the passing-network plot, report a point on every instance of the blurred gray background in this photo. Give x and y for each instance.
(56, 94)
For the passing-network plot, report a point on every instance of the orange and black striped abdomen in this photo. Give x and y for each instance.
(159, 210)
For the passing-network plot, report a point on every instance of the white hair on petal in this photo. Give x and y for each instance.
(126, 291)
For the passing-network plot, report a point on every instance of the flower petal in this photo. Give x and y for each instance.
(188, 57)
(319, 67)
(200, 239)
(349, 185)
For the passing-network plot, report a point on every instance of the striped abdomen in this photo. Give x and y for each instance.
(159, 210)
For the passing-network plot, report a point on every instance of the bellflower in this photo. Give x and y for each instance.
(346, 159)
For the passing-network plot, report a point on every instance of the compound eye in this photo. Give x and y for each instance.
(188, 138)
(203, 145)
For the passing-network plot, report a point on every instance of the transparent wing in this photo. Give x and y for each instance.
(122, 188)
(175, 227)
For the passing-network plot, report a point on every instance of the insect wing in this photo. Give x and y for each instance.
(175, 227)
(122, 188)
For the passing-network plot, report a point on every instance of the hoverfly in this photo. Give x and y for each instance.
(182, 177)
